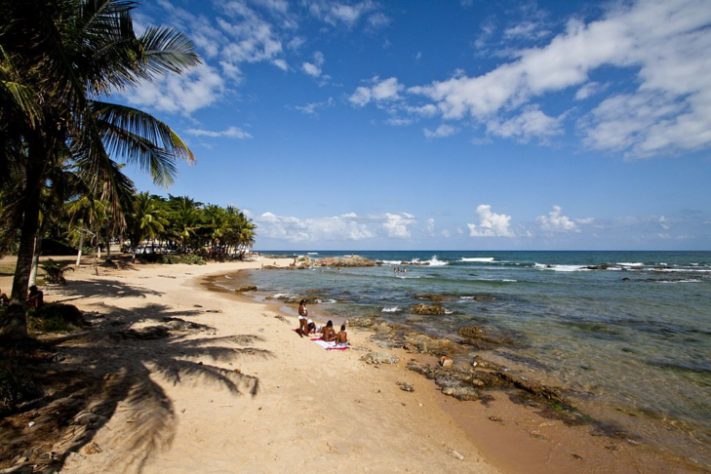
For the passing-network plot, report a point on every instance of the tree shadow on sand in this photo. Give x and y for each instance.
(105, 287)
(104, 372)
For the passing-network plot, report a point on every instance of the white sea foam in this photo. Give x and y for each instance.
(632, 265)
(688, 280)
(435, 262)
(477, 259)
(312, 253)
(505, 280)
(561, 268)
(392, 309)
(447, 311)
(391, 262)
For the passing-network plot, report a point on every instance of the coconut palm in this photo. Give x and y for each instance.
(47, 86)
(147, 219)
(58, 60)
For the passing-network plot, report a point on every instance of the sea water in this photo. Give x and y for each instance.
(626, 334)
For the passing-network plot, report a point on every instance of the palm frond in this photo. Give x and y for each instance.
(166, 50)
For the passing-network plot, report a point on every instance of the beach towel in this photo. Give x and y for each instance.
(330, 346)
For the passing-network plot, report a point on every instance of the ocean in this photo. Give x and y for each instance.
(626, 334)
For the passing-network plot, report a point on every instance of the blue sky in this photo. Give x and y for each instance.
(445, 125)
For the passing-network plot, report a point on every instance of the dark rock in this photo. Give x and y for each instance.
(405, 387)
(463, 393)
(246, 288)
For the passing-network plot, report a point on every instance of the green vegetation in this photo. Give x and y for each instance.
(54, 271)
(55, 317)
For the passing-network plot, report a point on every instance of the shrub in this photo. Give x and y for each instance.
(55, 317)
(55, 271)
(189, 258)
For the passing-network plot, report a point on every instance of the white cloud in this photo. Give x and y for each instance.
(398, 121)
(490, 224)
(430, 226)
(185, 93)
(443, 130)
(588, 90)
(667, 43)
(528, 30)
(343, 227)
(531, 123)
(338, 13)
(386, 90)
(314, 69)
(231, 132)
(281, 64)
(378, 20)
(555, 221)
(396, 225)
(312, 108)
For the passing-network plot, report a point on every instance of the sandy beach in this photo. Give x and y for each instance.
(232, 388)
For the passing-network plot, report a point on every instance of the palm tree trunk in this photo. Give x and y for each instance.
(81, 244)
(14, 325)
(35, 262)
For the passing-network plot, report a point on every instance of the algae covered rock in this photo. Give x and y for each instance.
(377, 358)
(428, 309)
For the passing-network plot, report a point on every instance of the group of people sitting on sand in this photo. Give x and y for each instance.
(35, 298)
(328, 334)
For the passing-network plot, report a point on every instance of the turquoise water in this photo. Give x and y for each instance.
(627, 333)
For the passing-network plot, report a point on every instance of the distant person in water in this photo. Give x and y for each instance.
(36, 298)
(328, 334)
(342, 336)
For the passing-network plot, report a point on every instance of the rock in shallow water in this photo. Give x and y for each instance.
(377, 358)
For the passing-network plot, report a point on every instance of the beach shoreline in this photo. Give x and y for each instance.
(312, 409)
(544, 443)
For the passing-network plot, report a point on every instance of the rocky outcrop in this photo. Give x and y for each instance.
(377, 358)
(428, 309)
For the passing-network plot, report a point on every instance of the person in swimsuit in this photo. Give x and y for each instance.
(328, 334)
(342, 336)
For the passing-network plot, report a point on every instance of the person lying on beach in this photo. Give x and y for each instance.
(328, 334)
(36, 298)
(342, 336)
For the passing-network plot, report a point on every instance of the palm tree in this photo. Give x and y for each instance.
(57, 59)
(146, 220)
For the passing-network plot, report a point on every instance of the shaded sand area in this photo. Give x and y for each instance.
(173, 377)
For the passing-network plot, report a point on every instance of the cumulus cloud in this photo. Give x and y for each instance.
(443, 130)
(231, 132)
(531, 123)
(314, 69)
(312, 108)
(236, 35)
(382, 90)
(397, 225)
(343, 227)
(490, 223)
(555, 221)
(185, 93)
(338, 13)
(666, 43)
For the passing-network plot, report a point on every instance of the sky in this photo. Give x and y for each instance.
(469, 124)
